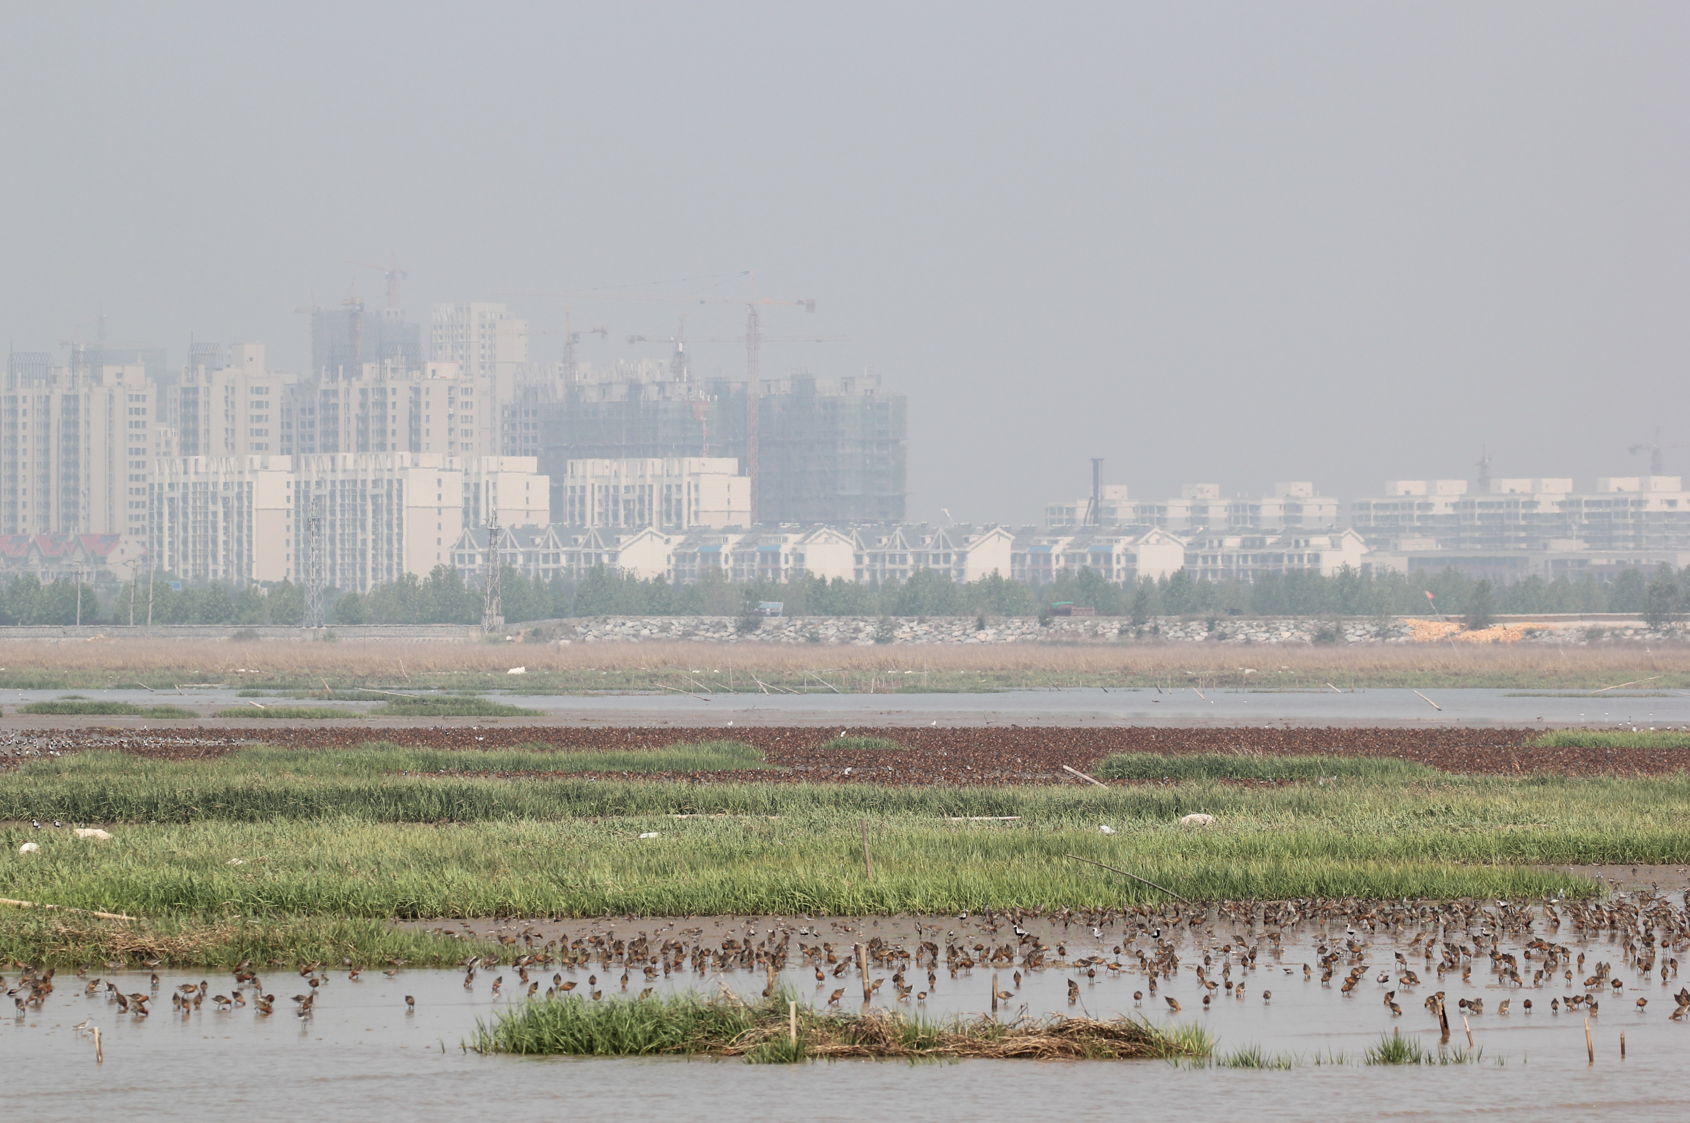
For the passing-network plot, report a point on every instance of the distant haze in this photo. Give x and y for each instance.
(1228, 243)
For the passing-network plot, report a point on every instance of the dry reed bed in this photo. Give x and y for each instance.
(471, 664)
(949, 756)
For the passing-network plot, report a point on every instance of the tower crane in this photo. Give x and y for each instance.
(1657, 461)
(394, 275)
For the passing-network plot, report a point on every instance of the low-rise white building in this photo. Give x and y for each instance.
(1118, 556)
(1245, 557)
(1198, 508)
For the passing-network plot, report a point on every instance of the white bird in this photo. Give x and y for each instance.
(1106, 829)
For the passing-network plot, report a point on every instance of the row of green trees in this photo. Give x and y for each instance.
(443, 598)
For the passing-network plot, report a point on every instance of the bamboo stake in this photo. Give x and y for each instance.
(688, 693)
(99, 1048)
(868, 865)
(792, 1021)
(1468, 1026)
(1429, 702)
(862, 966)
(1083, 776)
(1622, 1045)
(1135, 877)
(64, 908)
(1589, 1045)
(1623, 685)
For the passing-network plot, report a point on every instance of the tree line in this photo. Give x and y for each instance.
(443, 597)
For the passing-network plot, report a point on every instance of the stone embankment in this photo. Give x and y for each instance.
(866, 630)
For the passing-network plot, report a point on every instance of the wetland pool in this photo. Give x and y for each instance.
(362, 1054)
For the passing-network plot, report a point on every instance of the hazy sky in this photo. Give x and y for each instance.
(1234, 243)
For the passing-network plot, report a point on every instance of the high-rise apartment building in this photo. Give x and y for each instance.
(672, 495)
(485, 340)
(232, 410)
(830, 450)
(224, 518)
(345, 340)
(77, 446)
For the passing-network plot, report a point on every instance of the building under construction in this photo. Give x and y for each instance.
(826, 450)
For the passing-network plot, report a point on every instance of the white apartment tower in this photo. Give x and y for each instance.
(485, 340)
(489, 348)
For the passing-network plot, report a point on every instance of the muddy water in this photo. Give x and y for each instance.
(363, 1054)
(1064, 707)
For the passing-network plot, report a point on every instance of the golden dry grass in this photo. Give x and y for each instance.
(621, 666)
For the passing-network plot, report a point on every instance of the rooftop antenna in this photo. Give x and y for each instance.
(1484, 470)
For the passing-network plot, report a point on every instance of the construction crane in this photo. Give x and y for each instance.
(394, 275)
(753, 340)
(1657, 461)
(570, 338)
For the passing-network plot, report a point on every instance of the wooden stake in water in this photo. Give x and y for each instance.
(1466, 1025)
(1622, 1045)
(792, 1021)
(1589, 1045)
(994, 994)
(862, 967)
(99, 1049)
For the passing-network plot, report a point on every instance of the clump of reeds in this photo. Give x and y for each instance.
(295, 712)
(779, 1030)
(1612, 739)
(449, 706)
(1395, 1049)
(857, 744)
(1252, 766)
(114, 709)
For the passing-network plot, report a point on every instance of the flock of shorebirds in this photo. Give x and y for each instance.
(1223, 949)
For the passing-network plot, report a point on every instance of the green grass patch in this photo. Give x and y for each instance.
(1395, 1049)
(859, 744)
(1612, 739)
(1585, 694)
(385, 831)
(1254, 1056)
(311, 712)
(455, 706)
(762, 1033)
(1229, 766)
(112, 709)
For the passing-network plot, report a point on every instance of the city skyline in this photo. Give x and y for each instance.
(1297, 242)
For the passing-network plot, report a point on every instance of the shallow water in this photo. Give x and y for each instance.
(1065, 707)
(362, 1055)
